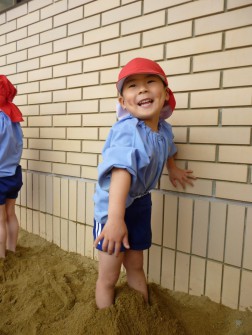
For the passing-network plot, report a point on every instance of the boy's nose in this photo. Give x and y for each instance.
(143, 88)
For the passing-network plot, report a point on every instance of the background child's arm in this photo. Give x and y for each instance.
(115, 231)
(179, 175)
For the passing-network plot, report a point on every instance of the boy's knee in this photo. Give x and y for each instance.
(109, 279)
(108, 282)
(133, 268)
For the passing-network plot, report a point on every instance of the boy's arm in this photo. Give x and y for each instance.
(115, 231)
(176, 174)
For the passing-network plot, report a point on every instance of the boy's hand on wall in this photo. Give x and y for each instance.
(183, 177)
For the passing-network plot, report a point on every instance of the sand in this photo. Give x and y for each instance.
(47, 291)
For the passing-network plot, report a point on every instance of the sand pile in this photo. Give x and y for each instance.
(46, 291)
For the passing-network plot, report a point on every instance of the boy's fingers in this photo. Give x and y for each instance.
(174, 182)
(105, 244)
(191, 176)
(97, 240)
(190, 182)
(125, 242)
(111, 247)
(117, 248)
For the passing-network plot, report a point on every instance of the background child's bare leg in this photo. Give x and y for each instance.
(108, 274)
(3, 232)
(133, 262)
(12, 225)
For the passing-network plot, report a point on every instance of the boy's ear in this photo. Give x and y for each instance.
(121, 101)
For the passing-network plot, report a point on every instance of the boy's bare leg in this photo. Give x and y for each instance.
(109, 271)
(3, 232)
(133, 263)
(12, 225)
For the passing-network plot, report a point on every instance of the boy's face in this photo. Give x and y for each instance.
(143, 95)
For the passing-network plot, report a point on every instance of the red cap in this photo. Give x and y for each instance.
(141, 66)
(7, 94)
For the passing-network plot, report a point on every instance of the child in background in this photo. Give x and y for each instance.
(11, 145)
(136, 150)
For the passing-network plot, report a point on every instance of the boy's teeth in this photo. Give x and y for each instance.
(144, 101)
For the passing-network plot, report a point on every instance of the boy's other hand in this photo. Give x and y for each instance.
(114, 234)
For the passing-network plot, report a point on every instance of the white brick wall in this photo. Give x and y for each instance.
(64, 58)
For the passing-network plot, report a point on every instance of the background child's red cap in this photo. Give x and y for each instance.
(141, 66)
(7, 94)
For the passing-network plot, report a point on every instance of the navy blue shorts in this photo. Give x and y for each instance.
(138, 221)
(10, 186)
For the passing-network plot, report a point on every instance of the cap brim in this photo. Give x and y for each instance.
(119, 84)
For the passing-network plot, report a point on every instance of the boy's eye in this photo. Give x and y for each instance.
(132, 85)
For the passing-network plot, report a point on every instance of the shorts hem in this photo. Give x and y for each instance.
(123, 249)
(136, 248)
(3, 203)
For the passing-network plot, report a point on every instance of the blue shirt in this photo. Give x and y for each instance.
(11, 145)
(133, 146)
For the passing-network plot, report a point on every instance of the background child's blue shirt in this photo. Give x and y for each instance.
(133, 146)
(11, 145)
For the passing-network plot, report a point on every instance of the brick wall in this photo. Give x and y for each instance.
(64, 56)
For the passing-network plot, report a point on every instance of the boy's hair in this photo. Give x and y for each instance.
(147, 66)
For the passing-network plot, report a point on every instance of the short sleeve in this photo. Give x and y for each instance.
(122, 150)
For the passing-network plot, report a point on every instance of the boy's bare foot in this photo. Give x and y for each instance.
(13, 253)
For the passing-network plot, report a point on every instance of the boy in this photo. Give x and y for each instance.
(11, 144)
(135, 152)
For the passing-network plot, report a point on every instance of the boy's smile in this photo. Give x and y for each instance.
(144, 95)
